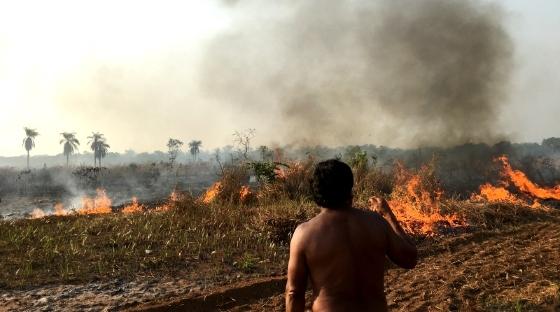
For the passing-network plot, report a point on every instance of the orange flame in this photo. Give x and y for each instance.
(173, 197)
(37, 213)
(496, 194)
(416, 207)
(245, 193)
(280, 173)
(293, 169)
(212, 192)
(40, 213)
(102, 204)
(133, 207)
(520, 180)
(59, 210)
(98, 205)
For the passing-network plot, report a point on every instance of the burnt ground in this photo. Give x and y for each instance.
(515, 269)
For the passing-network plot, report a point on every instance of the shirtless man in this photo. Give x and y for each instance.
(342, 250)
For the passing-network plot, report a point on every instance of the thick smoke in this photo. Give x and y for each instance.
(400, 73)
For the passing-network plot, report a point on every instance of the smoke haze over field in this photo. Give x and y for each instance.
(404, 72)
(398, 73)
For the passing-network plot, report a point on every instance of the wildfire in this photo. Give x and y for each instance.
(101, 204)
(418, 208)
(37, 213)
(520, 180)
(59, 210)
(133, 207)
(284, 172)
(173, 197)
(98, 205)
(280, 173)
(212, 192)
(245, 193)
(495, 194)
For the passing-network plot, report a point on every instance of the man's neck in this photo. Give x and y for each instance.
(337, 209)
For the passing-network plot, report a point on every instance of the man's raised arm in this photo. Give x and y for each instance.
(297, 274)
(401, 250)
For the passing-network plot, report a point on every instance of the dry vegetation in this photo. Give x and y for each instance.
(230, 237)
(214, 238)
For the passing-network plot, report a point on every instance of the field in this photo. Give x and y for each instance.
(502, 270)
(227, 249)
(23, 191)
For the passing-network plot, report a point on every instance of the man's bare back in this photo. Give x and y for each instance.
(342, 252)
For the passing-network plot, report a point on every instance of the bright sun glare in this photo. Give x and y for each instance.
(43, 42)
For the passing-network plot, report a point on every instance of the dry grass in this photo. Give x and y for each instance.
(506, 268)
(215, 238)
(227, 238)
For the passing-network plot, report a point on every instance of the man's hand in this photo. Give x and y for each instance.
(380, 206)
(400, 249)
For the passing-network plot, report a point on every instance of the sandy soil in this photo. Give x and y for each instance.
(515, 269)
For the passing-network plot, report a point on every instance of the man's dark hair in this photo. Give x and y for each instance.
(332, 184)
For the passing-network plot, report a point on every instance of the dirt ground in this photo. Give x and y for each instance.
(516, 269)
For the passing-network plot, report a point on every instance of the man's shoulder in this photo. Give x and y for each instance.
(373, 221)
(368, 214)
(304, 229)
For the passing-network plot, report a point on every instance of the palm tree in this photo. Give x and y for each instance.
(29, 141)
(194, 148)
(99, 147)
(102, 151)
(70, 145)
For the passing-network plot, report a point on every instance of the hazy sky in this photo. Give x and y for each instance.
(129, 69)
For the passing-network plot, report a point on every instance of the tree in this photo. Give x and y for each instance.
(99, 146)
(243, 141)
(265, 152)
(194, 148)
(219, 160)
(70, 145)
(29, 141)
(553, 143)
(173, 146)
(102, 151)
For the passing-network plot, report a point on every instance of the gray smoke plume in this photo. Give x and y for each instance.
(395, 72)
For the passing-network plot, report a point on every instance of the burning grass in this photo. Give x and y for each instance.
(528, 192)
(231, 229)
(191, 236)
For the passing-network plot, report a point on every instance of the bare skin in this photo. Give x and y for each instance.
(342, 252)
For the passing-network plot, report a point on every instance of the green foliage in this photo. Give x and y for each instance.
(248, 263)
(266, 171)
(359, 160)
